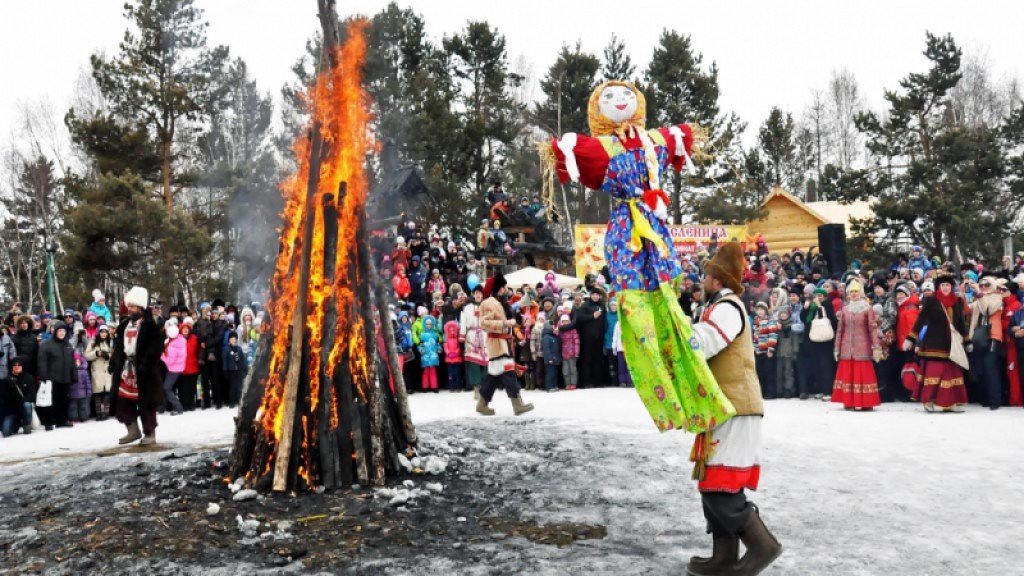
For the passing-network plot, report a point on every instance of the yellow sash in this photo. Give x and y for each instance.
(642, 230)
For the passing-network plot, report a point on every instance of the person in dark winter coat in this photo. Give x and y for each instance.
(551, 347)
(57, 366)
(214, 356)
(81, 389)
(26, 343)
(589, 323)
(17, 394)
(135, 367)
(236, 364)
(825, 365)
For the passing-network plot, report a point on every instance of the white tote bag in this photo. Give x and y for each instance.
(956, 349)
(44, 396)
(821, 328)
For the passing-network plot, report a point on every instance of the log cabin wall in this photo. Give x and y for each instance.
(787, 225)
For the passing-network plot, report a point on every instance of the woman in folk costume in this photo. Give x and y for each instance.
(857, 346)
(1011, 305)
(942, 380)
(727, 457)
(629, 162)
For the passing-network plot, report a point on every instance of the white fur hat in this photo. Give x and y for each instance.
(137, 296)
(97, 295)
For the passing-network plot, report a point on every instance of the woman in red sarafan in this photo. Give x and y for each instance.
(942, 386)
(857, 345)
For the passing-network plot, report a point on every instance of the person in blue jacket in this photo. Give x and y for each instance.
(551, 346)
(611, 318)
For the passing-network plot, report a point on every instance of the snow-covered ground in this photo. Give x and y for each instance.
(896, 491)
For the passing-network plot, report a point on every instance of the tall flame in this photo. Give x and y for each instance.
(339, 105)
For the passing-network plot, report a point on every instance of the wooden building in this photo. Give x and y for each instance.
(791, 223)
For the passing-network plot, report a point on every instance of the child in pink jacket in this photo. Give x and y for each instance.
(570, 352)
(175, 352)
(453, 355)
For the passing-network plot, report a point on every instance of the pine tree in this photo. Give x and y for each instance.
(164, 77)
(617, 64)
(775, 139)
(567, 87)
(935, 181)
(492, 116)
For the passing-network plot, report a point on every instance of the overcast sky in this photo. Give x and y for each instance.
(769, 52)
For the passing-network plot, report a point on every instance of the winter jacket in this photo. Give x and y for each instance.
(101, 311)
(175, 354)
(16, 390)
(402, 287)
(920, 262)
(990, 307)
(27, 347)
(57, 361)
(611, 321)
(235, 359)
(98, 354)
(789, 341)
(765, 332)
(857, 335)
(887, 321)
(906, 317)
(148, 347)
(82, 387)
(570, 343)
(430, 344)
(436, 284)
(192, 353)
(551, 346)
(452, 347)
(7, 353)
(493, 320)
(403, 335)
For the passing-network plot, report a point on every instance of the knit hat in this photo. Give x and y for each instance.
(564, 318)
(854, 286)
(762, 305)
(904, 288)
(97, 295)
(727, 266)
(927, 286)
(137, 296)
(820, 291)
(421, 311)
(103, 327)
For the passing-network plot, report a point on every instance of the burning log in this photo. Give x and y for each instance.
(318, 406)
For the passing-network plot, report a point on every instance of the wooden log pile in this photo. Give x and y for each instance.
(325, 403)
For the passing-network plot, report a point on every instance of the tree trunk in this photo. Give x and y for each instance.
(165, 172)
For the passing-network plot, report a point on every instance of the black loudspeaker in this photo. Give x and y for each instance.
(832, 243)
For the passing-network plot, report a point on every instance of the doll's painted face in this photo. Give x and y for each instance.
(617, 103)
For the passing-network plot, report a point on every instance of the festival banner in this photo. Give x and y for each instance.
(688, 240)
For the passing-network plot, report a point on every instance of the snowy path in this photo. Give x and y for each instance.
(897, 491)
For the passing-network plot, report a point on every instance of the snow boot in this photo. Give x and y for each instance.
(149, 439)
(483, 408)
(519, 407)
(762, 548)
(725, 552)
(133, 434)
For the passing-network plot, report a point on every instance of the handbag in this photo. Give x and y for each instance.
(821, 328)
(981, 338)
(957, 354)
(44, 396)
